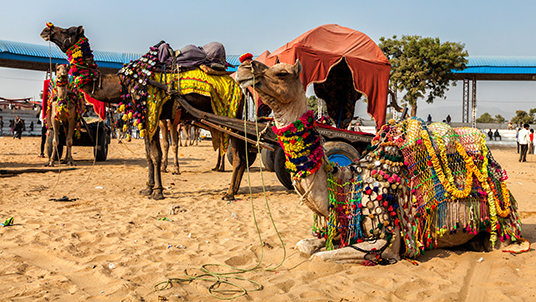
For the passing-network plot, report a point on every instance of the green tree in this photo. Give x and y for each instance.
(422, 67)
(523, 118)
(312, 103)
(500, 119)
(485, 118)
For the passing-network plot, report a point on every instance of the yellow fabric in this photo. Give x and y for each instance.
(223, 90)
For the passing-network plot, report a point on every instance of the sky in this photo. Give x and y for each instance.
(487, 28)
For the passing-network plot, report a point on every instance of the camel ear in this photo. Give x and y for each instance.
(297, 67)
(80, 30)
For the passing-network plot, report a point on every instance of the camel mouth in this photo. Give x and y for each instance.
(45, 34)
(245, 83)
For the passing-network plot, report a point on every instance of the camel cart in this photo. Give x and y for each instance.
(342, 146)
(343, 65)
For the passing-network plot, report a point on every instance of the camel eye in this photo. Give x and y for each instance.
(281, 74)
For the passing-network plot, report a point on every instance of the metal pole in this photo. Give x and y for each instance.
(473, 103)
(465, 101)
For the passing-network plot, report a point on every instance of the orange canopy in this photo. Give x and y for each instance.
(321, 48)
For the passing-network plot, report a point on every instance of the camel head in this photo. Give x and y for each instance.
(278, 86)
(62, 71)
(63, 37)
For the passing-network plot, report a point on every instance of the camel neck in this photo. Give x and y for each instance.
(288, 113)
(83, 66)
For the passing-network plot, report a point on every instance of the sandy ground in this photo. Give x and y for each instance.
(109, 244)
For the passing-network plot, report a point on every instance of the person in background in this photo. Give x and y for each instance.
(524, 141)
(1, 126)
(531, 143)
(497, 135)
(429, 119)
(448, 119)
(43, 136)
(490, 134)
(17, 130)
(517, 139)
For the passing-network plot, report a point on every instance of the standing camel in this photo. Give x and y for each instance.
(108, 88)
(387, 208)
(63, 110)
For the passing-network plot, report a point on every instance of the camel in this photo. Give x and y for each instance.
(62, 109)
(108, 88)
(281, 89)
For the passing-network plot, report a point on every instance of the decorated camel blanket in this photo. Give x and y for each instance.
(224, 92)
(428, 180)
(143, 102)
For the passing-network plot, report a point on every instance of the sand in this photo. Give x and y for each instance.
(111, 244)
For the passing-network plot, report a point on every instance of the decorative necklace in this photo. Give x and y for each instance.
(301, 144)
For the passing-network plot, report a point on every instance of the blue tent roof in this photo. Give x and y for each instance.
(40, 53)
(500, 65)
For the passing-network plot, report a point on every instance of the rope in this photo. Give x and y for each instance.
(222, 278)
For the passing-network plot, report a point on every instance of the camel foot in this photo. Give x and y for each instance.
(176, 173)
(228, 197)
(49, 165)
(157, 194)
(221, 170)
(147, 191)
(164, 170)
(310, 246)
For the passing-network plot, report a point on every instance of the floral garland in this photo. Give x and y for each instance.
(83, 67)
(447, 181)
(301, 144)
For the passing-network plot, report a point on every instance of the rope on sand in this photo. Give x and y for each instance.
(223, 278)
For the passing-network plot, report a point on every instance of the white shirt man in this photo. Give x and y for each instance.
(524, 140)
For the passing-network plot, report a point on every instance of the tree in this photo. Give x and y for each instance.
(500, 119)
(422, 67)
(485, 118)
(523, 118)
(312, 103)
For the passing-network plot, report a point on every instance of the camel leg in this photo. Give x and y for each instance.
(221, 159)
(186, 129)
(218, 164)
(353, 255)
(239, 166)
(55, 142)
(156, 158)
(148, 191)
(179, 133)
(69, 130)
(310, 246)
(163, 124)
(175, 148)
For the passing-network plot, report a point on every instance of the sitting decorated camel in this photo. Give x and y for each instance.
(418, 187)
(132, 90)
(64, 108)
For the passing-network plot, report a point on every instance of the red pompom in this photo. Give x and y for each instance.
(50, 24)
(246, 56)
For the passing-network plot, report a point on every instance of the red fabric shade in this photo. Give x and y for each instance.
(321, 48)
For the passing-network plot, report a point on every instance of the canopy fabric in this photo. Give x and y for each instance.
(321, 48)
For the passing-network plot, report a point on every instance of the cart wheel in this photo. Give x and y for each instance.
(280, 170)
(341, 153)
(101, 150)
(268, 157)
(252, 156)
(50, 147)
